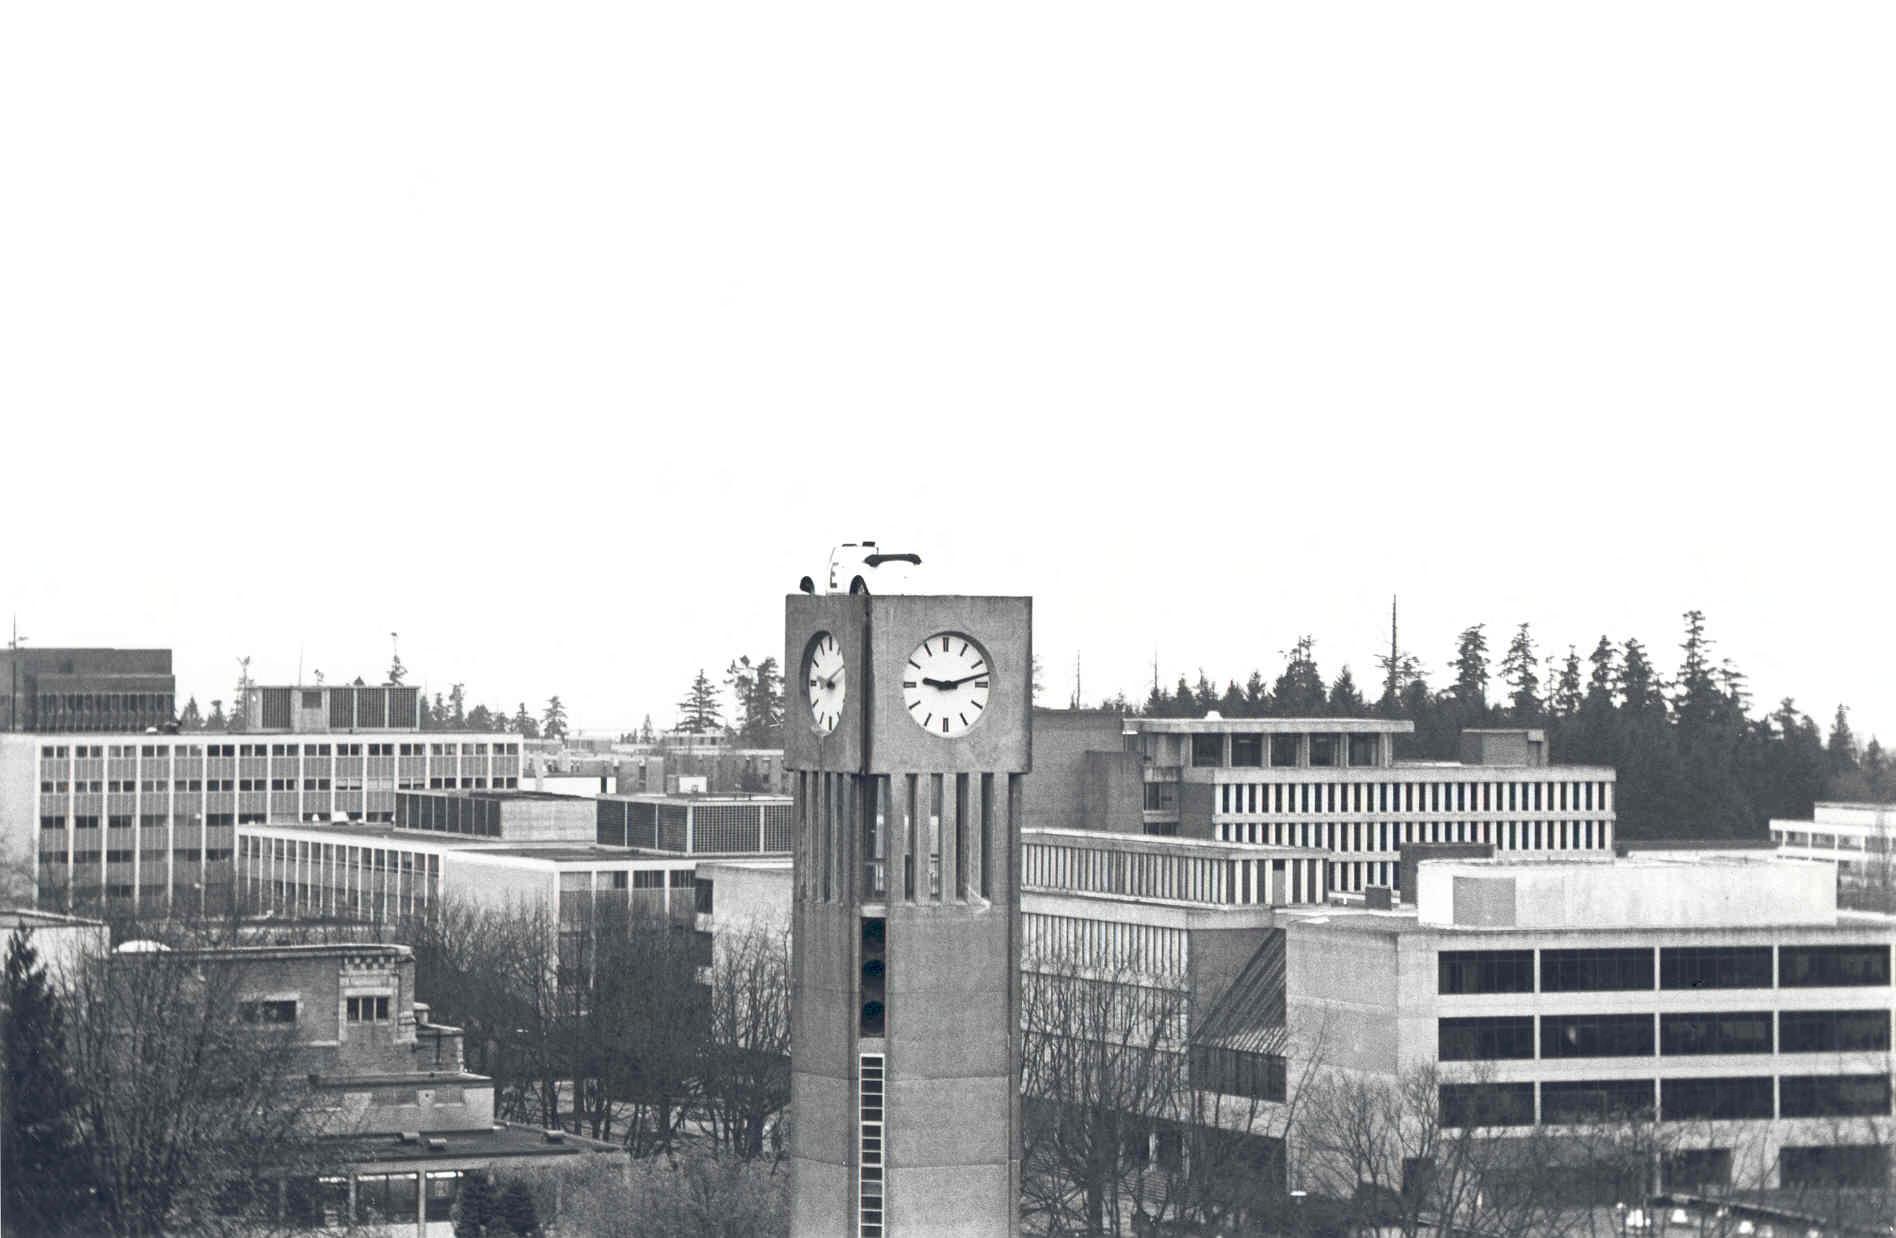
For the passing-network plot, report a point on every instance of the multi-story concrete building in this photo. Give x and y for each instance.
(105, 690)
(1332, 784)
(379, 1073)
(144, 822)
(1859, 839)
(1727, 998)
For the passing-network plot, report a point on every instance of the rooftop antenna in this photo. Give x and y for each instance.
(1076, 681)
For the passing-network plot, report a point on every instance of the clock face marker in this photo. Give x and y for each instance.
(950, 685)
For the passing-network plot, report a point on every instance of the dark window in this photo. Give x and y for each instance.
(1485, 971)
(1208, 749)
(368, 1009)
(1363, 750)
(1724, 1097)
(1715, 967)
(268, 1012)
(1596, 1035)
(1487, 1104)
(1833, 1031)
(1324, 749)
(1235, 1072)
(1247, 750)
(1833, 1096)
(1484, 1040)
(312, 700)
(1746, 1031)
(702, 890)
(1595, 971)
(1819, 967)
(1594, 1100)
(1693, 1169)
(1832, 1165)
(1283, 750)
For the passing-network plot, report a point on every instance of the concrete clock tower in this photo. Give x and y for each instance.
(908, 728)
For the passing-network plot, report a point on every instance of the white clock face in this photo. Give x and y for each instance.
(945, 684)
(823, 681)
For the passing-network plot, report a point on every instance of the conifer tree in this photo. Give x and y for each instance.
(1842, 748)
(1566, 701)
(43, 1165)
(191, 719)
(1471, 668)
(698, 712)
(1345, 700)
(1517, 671)
(553, 721)
(1299, 691)
(1603, 681)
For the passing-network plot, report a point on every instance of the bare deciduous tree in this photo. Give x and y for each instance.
(193, 1116)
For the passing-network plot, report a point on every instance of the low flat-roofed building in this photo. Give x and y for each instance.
(510, 815)
(1858, 839)
(1726, 997)
(61, 942)
(697, 824)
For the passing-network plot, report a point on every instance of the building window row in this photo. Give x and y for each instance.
(1579, 1102)
(1462, 972)
(1690, 1033)
(1278, 798)
(1390, 836)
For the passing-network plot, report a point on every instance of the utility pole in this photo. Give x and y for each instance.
(1391, 687)
(13, 672)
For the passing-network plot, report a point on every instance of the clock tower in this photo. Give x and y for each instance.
(908, 731)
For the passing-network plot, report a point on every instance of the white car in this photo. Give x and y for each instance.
(859, 567)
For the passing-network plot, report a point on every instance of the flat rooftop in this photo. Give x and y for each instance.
(476, 793)
(506, 1141)
(1212, 724)
(693, 797)
(1168, 844)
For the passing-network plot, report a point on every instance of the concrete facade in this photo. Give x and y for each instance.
(516, 816)
(146, 822)
(86, 690)
(906, 1014)
(1334, 784)
(1709, 991)
(1857, 840)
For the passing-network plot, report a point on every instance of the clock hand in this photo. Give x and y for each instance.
(945, 684)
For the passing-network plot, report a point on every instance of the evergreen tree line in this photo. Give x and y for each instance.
(756, 688)
(1692, 759)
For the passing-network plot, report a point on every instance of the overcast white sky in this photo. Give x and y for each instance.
(563, 338)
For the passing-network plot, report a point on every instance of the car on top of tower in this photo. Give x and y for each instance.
(862, 567)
